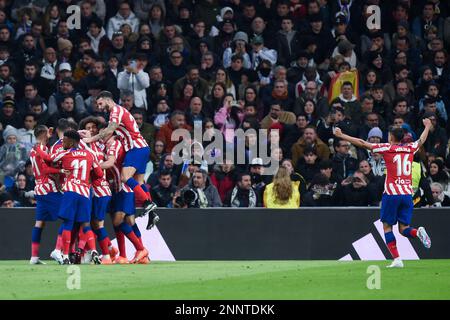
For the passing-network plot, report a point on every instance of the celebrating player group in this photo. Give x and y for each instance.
(86, 174)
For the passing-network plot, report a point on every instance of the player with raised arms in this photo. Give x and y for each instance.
(137, 151)
(76, 204)
(396, 204)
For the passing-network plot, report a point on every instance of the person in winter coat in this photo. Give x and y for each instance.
(229, 118)
(135, 79)
(223, 178)
(13, 155)
(243, 195)
(124, 15)
(343, 163)
(164, 192)
(206, 194)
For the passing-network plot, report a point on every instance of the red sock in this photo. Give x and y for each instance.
(393, 249)
(59, 243)
(66, 236)
(73, 240)
(89, 238)
(35, 249)
(135, 241)
(121, 243)
(140, 194)
(104, 245)
(413, 233)
(81, 240)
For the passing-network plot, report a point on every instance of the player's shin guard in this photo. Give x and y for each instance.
(410, 232)
(89, 237)
(103, 240)
(137, 232)
(120, 242)
(391, 244)
(129, 233)
(35, 241)
(137, 189)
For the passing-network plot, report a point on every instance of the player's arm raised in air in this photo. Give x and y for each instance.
(355, 141)
(423, 137)
(109, 130)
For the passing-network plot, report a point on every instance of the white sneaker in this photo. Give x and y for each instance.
(397, 263)
(86, 258)
(35, 260)
(57, 256)
(423, 237)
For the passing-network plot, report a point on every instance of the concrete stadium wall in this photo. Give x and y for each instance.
(252, 234)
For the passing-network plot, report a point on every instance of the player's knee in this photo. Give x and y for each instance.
(39, 224)
(118, 219)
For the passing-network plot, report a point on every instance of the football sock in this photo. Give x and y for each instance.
(120, 242)
(89, 238)
(410, 232)
(103, 240)
(66, 236)
(137, 232)
(391, 244)
(147, 192)
(137, 189)
(129, 233)
(35, 241)
(81, 240)
(59, 243)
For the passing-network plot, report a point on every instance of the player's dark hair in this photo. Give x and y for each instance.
(73, 134)
(65, 124)
(90, 119)
(397, 133)
(105, 95)
(39, 130)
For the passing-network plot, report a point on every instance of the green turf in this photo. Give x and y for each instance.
(426, 279)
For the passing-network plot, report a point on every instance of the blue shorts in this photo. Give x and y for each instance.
(123, 202)
(396, 208)
(100, 207)
(47, 206)
(75, 207)
(137, 158)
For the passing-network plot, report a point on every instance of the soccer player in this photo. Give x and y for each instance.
(76, 204)
(101, 192)
(396, 204)
(122, 205)
(48, 197)
(137, 151)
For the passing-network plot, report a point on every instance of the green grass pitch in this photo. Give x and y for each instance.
(186, 280)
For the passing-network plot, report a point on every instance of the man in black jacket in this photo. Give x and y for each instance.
(243, 195)
(164, 192)
(343, 163)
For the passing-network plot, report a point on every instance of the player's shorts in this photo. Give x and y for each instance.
(137, 158)
(100, 207)
(396, 208)
(124, 202)
(47, 206)
(75, 207)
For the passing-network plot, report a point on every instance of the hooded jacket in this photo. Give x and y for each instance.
(117, 21)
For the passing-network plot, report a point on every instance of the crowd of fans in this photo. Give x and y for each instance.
(236, 64)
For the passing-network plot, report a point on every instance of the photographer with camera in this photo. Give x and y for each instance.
(199, 193)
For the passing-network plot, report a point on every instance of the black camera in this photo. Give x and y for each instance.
(187, 198)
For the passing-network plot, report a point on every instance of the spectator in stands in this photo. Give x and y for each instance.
(343, 163)
(146, 129)
(23, 196)
(309, 138)
(177, 121)
(9, 115)
(436, 173)
(354, 191)
(134, 78)
(124, 15)
(13, 154)
(6, 200)
(282, 193)
(277, 114)
(165, 164)
(26, 131)
(440, 199)
(321, 193)
(223, 178)
(243, 195)
(308, 165)
(164, 192)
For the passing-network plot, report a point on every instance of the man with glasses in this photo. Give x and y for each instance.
(343, 163)
(175, 69)
(312, 92)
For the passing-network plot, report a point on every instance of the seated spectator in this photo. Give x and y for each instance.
(177, 121)
(196, 114)
(277, 114)
(243, 195)
(192, 77)
(13, 154)
(156, 154)
(206, 194)
(308, 165)
(6, 200)
(375, 183)
(9, 114)
(440, 199)
(436, 173)
(23, 196)
(223, 177)
(67, 110)
(282, 193)
(165, 164)
(184, 100)
(164, 192)
(26, 132)
(309, 138)
(162, 115)
(295, 176)
(354, 191)
(66, 88)
(124, 15)
(343, 164)
(321, 193)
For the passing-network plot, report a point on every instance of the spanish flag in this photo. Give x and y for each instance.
(336, 83)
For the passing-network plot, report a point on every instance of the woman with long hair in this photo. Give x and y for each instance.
(282, 192)
(50, 20)
(438, 174)
(223, 77)
(217, 95)
(183, 102)
(228, 118)
(310, 111)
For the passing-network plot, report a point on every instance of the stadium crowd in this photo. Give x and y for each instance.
(297, 68)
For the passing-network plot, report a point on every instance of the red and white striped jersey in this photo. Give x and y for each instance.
(116, 149)
(56, 147)
(128, 130)
(80, 163)
(399, 159)
(45, 183)
(100, 185)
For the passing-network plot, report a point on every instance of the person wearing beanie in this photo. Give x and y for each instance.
(9, 114)
(13, 155)
(239, 46)
(375, 135)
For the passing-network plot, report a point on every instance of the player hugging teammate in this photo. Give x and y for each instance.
(86, 174)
